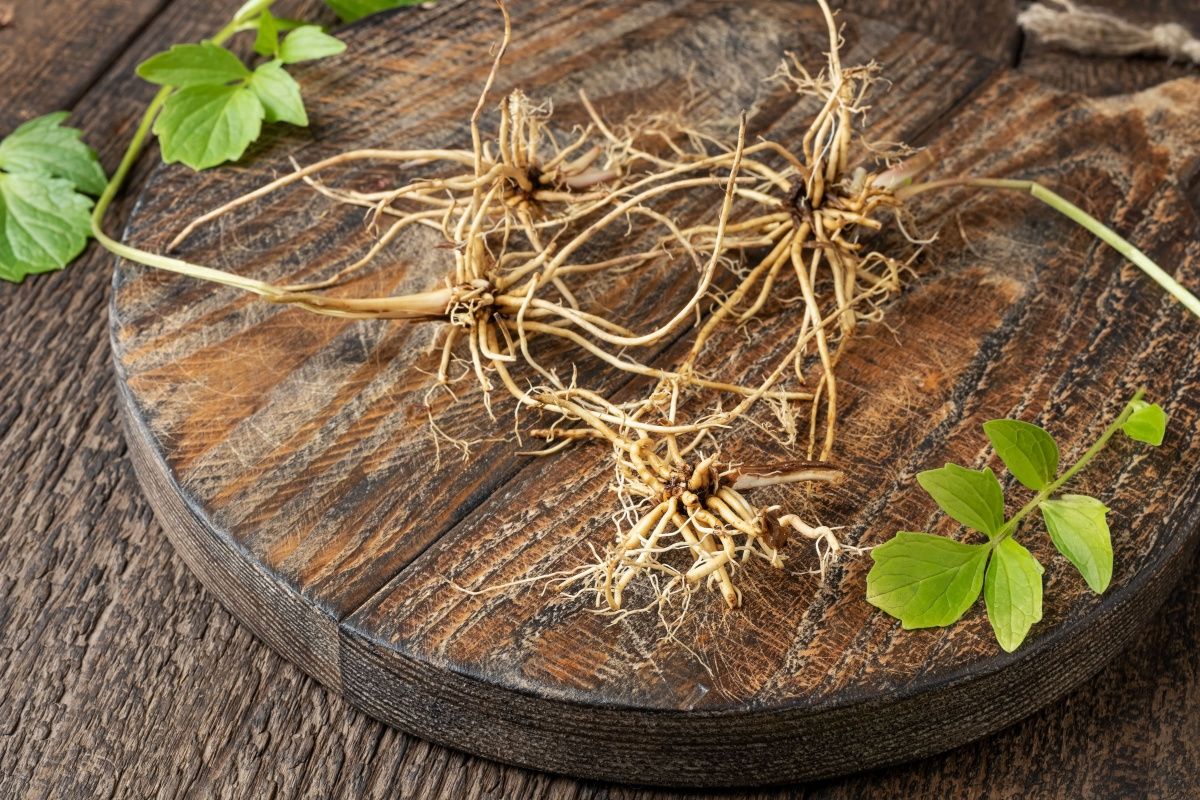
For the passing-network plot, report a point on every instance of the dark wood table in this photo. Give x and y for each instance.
(120, 676)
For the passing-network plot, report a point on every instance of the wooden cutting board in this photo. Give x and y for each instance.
(289, 457)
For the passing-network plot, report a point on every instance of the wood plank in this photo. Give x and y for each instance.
(74, 526)
(988, 27)
(50, 54)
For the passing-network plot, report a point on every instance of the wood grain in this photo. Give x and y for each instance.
(51, 64)
(287, 457)
(122, 677)
(1106, 76)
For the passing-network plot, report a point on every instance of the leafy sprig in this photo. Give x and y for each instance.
(215, 105)
(210, 108)
(931, 581)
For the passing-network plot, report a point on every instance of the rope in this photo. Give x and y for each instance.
(1094, 32)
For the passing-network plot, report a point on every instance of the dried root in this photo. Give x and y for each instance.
(695, 506)
(807, 214)
(520, 211)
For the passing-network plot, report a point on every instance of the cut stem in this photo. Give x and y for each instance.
(1079, 216)
(130, 157)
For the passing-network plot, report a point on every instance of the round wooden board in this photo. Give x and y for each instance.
(290, 459)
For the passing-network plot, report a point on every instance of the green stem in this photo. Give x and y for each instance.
(132, 151)
(1081, 217)
(1011, 525)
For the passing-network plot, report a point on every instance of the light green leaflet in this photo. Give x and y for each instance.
(203, 126)
(308, 42)
(279, 94)
(925, 580)
(1078, 525)
(1147, 423)
(184, 65)
(43, 146)
(1013, 593)
(973, 498)
(1027, 450)
(46, 171)
(266, 40)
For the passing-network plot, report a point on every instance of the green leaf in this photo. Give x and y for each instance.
(973, 498)
(43, 146)
(1079, 529)
(203, 126)
(1147, 423)
(203, 64)
(925, 581)
(266, 40)
(352, 10)
(44, 216)
(1027, 450)
(44, 224)
(279, 94)
(309, 42)
(289, 24)
(1013, 593)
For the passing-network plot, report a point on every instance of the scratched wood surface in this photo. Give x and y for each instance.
(290, 461)
(123, 677)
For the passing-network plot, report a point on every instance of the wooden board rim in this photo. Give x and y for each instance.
(328, 647)
(1143, 595)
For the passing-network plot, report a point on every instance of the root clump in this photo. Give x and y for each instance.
(529, 218)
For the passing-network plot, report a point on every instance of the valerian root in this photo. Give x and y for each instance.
(693, 524)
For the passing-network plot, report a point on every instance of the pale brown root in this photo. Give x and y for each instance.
(542, 230)
(411, 157)
(745, 478)
(826, 544)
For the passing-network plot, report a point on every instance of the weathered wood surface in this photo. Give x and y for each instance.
(124, 678)
(290, 461)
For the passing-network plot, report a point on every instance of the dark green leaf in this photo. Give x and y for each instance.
(1147, 423)
(203, 126)
(1013, 593)
(1027, 450)
(44, 224)
(973, 498)
(279, 94)
(925, 581)
(1079, 529)
(351, 10)
(266, 40)
(309, 42)
(201, 64)
(43, 146)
